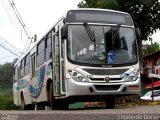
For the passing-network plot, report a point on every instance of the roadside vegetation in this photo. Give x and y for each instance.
(6, 94)
(6, 99)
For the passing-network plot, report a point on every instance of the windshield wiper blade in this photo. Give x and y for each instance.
(89, 32)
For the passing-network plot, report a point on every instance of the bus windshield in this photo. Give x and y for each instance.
(112, 45)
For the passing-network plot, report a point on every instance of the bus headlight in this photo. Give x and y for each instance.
(132, 77)
(80, 78)
(77, 76)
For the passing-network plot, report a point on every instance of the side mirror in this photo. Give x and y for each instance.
(138, 33)
(63, 32)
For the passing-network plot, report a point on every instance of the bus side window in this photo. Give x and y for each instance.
(18, 73)
(27, 65)
(40, 53)
(22, 68)
(48, 47)
(15, 75)
(33, 65)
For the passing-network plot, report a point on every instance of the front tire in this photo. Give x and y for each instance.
(50, 96)
(55, 104)
(110, 103)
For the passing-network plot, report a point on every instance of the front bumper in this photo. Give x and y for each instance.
(113, 89)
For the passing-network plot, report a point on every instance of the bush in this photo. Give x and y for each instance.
(6, 100)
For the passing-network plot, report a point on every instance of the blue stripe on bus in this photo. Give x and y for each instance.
(37, 88)
(40, 79)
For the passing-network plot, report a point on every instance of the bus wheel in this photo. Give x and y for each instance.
(50, 96)
(55, 104)
(110, 103)
(26, 107)
(22, 107)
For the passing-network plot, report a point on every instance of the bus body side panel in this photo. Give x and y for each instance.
(15, 94)
(42, 96)
(15, 85)
(24, 87)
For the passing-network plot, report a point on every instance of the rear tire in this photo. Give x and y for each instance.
(26, 107)
(23, 106)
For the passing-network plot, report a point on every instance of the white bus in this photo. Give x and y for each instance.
(89, 55)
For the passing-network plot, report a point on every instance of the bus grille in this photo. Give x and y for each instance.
(107, 87)
(105, 71)
(102, 79)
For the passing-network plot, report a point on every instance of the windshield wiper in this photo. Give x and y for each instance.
(89, 32)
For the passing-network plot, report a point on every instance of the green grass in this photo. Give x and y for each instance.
(6, 99)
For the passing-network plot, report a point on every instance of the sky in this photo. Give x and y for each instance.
(38, 15)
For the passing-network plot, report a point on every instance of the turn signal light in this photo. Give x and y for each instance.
(133, 87)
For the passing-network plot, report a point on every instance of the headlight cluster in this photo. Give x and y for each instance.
(132, 77)
(77, 76)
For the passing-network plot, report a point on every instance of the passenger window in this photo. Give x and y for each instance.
(15, 75)
(27, 65)
(22, 68)
(48, 50)
(33, 65)
(40, 53)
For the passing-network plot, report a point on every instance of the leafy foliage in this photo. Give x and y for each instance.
(6, 100)
(153, 47)
(109, 4)
(6, 74)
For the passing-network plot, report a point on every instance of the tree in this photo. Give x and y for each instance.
(6, 83)
(150, 48)
(6, 74)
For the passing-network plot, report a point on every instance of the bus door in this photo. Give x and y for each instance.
(58, 66)
(32, 74)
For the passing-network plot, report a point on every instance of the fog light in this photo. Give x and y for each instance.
(75, 74)
(79, 78)
(133, 87)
